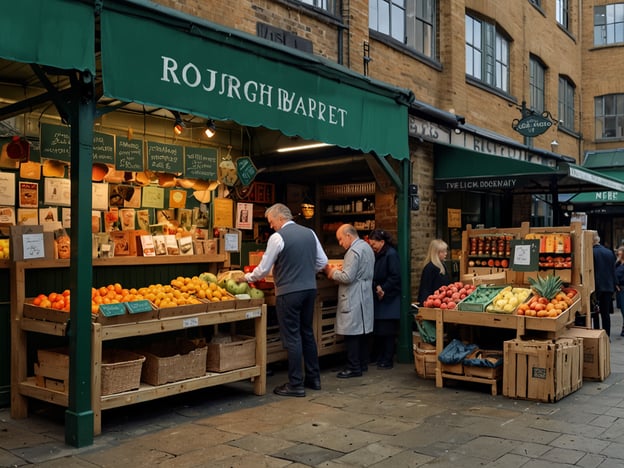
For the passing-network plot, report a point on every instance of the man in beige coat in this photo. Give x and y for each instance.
(355, 310)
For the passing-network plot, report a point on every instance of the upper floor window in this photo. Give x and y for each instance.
(562, 13)
(327, 5)
(537, 73)
(487, 54)
(537, 3)
(566, 103)
(609, 24)
(609, 115)
(411, 22)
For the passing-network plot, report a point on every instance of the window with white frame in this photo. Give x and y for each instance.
(566, 103)
(537, 72)
(609, 116)
(609, 24)
(562, 13)
(487, 54)
(330, 6)
(410, 22)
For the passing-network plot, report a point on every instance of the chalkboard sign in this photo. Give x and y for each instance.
(129, 154)
(103, 148)
(246, 170)
(55, 142)
(200, 163)
(162, 157)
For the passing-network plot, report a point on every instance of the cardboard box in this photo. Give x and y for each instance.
(542, 370)
(235, 352)
(596, 352)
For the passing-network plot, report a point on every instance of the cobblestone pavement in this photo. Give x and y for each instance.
(387, 418)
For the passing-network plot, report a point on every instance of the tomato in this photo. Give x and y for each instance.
(248, 268)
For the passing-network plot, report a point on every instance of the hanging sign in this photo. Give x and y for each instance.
(129, 154)
(103, 148)
(200, 163)
(532, 125)
(55, 142)
(162, 157)
(246, 170)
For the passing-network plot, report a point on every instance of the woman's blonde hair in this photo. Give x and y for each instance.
(435, 247)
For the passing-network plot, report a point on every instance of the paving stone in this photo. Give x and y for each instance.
(9, 459)
(509, 460)
(488, 448)
(584, 444)
(309, 455)
(591, 460)
(369, 454)
(531, 450)
(387, 425)
(561, 455)
(261, 443)
(406, 459)
(342, 439)
(614, 450)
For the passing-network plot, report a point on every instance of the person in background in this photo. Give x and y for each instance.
(386, 296)
(619, 284)
(604, 284)
(354, 314)
(295, 254)
(434, 272)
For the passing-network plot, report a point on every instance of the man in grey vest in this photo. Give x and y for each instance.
(295, 254)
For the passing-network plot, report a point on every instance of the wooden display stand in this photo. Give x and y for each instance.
(24, 387)
(581, 277)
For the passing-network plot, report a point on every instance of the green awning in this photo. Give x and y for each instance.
(190, 65)
(457, 169)
(604, 159)
(56, 33)
(603, 196)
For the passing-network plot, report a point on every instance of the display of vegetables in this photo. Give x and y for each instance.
(508, 299)
(447, 297)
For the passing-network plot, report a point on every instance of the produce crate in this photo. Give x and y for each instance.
(43, 313)
(485, 372)
(247, 303)
(596, 352)
(235, 352)
(121, 371)
(425, 357)
(52, 369)
(553, 324)
(186, 309)
(172, 361)
(542, 370)
(478, 300)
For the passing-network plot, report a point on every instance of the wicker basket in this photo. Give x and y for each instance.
(171, 361)
(121, 371)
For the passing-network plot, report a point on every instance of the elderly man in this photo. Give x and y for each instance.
(295, 254)
(355, 310)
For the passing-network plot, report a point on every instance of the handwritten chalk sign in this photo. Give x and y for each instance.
(129, 154)
(162, 157)
(103, 148)
(246, 170)
(200, 163)
(55, 142)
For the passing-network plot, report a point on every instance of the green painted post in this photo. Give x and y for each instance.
(79, 414)
(404, 348)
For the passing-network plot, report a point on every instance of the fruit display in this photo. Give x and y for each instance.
(550, 298)
(5, 253)
(54, 300)
(508, 299)
(480, 298)
(447, 297)
(196, 287)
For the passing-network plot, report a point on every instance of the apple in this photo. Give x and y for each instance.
(234, 287)
(256, 293)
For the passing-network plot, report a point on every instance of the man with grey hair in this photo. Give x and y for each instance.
(295, 254)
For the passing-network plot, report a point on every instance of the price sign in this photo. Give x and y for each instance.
(200, 163)
(129, 154)
(103, 148)
(246, 170)
(162, 157)
(55, 142)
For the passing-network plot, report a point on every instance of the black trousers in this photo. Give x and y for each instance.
(357, 352)
(605, 303)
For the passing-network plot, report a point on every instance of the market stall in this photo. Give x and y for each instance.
(534, 283)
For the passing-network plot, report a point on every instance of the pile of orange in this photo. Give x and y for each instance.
(54, 300)
(112, 294)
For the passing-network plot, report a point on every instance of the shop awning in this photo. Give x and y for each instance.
(460, 169)
(608, 163)
(158, 57)
(55, 33)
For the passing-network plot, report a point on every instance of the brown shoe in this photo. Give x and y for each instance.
(288, 390)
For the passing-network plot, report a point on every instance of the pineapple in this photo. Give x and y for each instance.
(546, 287)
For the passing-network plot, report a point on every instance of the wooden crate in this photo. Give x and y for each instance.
(172, 361)
(596, 352)
(483, 372)
(52, 369)
(542, 370)
(425, 357)
(238, 352)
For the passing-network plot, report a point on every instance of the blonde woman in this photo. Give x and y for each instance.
(434, 273)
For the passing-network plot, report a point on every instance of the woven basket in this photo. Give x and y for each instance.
(171, 361)
(121, 371)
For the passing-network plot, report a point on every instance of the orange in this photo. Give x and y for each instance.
(66, 293)
(103, 291)
(117, 287)
(53, 297)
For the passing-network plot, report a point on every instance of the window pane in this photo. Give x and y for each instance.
(398, 23)
(384, 17)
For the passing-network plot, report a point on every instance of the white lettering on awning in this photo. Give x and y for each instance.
(264, 94)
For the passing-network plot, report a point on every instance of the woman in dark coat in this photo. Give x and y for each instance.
(434, 272)
(386, 296)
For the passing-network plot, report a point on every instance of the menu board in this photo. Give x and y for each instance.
(162, 157)
(55, 142)
(200, 163)
(103, 148)
(129, 154)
